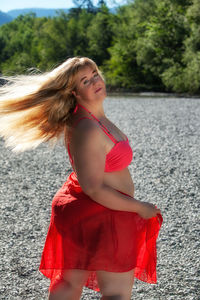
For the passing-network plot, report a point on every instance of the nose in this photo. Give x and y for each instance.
(94, 80)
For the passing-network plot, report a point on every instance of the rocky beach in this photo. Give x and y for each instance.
(164, 133)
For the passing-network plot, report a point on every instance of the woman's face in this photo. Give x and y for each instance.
(90, 86)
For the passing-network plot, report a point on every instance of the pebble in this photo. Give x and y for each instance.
(165, 137)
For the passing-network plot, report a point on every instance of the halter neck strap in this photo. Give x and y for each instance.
(104, 128)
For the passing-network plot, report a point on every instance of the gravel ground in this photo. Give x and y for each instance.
(165, 137)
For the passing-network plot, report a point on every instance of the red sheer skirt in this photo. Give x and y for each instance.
(88, 236)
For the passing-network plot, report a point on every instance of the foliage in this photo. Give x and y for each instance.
(184, 76)
(16, 38)
(122, 68)
(99, 34)
(146, 44)
(87, 4)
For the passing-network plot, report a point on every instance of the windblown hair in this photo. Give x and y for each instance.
(38, 108)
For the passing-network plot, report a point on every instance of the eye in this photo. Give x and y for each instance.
(96, 75)
(85, 82)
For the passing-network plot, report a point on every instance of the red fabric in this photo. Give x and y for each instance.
(119, 157)
(86, 235)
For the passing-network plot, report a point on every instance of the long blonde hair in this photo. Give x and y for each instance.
(38, 108)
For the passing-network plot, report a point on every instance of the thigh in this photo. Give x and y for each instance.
(116, 283)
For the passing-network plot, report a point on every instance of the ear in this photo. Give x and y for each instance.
(75, 94)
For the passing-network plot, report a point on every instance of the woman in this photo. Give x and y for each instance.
(99, 236)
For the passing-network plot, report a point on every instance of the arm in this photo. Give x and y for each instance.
(89, 161)
(112, 199)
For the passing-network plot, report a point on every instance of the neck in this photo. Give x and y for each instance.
(97, 110)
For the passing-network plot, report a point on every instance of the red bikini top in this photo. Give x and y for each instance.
(121, 154)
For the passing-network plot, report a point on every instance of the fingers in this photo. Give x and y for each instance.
(158, 211)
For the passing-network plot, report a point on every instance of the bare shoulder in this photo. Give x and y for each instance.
(86, 124)
(87, 130)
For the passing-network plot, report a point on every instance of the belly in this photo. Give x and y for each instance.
(120, 180)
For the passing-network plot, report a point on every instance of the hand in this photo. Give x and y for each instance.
(148, 210)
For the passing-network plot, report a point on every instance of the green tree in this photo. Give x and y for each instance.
(122, 69)
(87, 4)
(146, 44)
(17, 38)
(53, 45)
(184, 76)
(162, 44)
(99, 34)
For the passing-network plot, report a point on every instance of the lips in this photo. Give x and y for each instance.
(98, 90)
